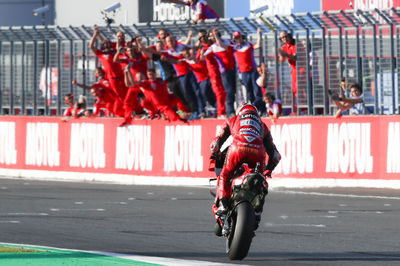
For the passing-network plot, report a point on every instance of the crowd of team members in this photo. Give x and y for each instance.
(192, 77)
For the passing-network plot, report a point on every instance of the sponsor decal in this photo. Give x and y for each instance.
(42, 144)
(247, 149)
(168, 11)
(249, 138)
(294, 144)
(393, 148)
(349, 148)
(250, 122)
(8, 153)
(182, 150)
(250, 116)
(87, 146)
(134, 148)
(248, 144)
(249, 131)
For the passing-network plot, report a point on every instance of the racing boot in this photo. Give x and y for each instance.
(223, 208)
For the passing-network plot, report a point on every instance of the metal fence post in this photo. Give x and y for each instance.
(59, 98)
(1, 77)
(35, 89)
(23, 109)
(12, 81)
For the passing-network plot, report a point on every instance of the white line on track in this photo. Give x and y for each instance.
(24, 214)
(9, 222)
(351, 211)
(148, 259)
(57, 210)
(337, 195)
(295, 225)
(117, 202)
(284, 217)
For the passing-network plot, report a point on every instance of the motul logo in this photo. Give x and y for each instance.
(42, 144)
(133, 148)
(294, 144)
(87, 146)
(8, 153)
(349, 148)
(182, 151)
(393, 148)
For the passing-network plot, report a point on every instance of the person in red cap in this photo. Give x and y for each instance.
(251, 140)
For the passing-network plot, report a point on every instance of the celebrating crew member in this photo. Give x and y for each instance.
(244, 54)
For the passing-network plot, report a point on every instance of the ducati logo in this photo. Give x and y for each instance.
(249, 138)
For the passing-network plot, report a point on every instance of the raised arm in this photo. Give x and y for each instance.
(218, 39)
(258, 43)
(96, 34)
(128, 78)
(189, 37)
(83, 86)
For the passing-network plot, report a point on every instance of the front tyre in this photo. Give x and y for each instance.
(239, 240)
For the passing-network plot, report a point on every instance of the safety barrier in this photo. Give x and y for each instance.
(350, 148)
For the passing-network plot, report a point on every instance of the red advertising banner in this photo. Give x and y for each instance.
(362, 147)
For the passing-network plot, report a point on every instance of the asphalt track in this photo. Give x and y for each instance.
(299, 227)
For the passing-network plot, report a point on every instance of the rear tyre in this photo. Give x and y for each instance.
(239, 239)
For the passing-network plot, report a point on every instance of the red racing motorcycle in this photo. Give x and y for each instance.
(249, 188)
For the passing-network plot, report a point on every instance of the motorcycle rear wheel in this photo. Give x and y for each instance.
(242, 231)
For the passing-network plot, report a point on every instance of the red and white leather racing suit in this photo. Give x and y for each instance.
(251, 140)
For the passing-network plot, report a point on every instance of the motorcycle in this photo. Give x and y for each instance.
(249, 188)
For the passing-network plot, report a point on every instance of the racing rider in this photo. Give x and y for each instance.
(251, 140)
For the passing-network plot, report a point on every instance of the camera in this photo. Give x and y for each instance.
(40, 10)
(112, 8)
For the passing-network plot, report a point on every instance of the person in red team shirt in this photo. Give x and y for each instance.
(251, 140)
(288, 51)
(244, 54)
(224, 53)
(103, 90)
(137, 62)
(186, 78)
(213, 71)
(69, 101)
(154, 89)
(113, 70)
(105, 98)
(199, 68)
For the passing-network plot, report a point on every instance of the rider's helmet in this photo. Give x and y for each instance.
(247, 108)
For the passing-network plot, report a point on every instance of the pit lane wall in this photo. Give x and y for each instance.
(363, 148)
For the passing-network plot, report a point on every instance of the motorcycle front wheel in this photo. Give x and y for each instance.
(239, 240)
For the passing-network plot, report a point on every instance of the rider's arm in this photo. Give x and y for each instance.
(220, 139)
(273, 154)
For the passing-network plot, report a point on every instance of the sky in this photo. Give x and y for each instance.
(240, 8)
